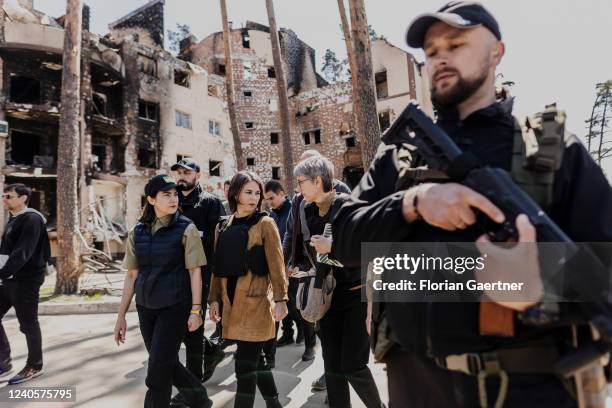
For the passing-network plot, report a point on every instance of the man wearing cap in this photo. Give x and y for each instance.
(422, 343)
(205, 210)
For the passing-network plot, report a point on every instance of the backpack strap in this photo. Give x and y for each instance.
(537, 153)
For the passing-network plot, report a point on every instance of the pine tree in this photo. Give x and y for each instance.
(176, 36)
(599, 123)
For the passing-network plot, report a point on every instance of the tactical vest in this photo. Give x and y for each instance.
(163, 279)
(537, 154)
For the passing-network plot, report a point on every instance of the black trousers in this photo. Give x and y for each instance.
(23, 296)
(196, 344)
(310, 339)
(269, 348)
(252, 372)
(416, 381)
(346, 350)
(162, 331)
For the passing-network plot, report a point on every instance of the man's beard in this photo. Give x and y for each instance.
(459, 92)
(185, 186)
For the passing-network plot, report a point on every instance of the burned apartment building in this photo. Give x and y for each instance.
(321, 113)
(142, 110)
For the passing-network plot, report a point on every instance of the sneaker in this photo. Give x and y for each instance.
(210, 363)
(309, 354)
(319, 384)
(178, 401)
(284, 341)
(216, 336)
(26, 374)
(5, 367)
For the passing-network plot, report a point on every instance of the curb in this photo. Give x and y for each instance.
(69, 308)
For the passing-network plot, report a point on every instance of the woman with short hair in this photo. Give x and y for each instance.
(344, 338)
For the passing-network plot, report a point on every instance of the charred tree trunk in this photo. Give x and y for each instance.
(346, 30)
(283, 102)
(69, 266)
(603, 126)
(229, 85)
(364, 104)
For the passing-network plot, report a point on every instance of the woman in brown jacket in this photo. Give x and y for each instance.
(249, 278)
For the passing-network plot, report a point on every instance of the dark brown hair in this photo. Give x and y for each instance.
(20, 190)
(237, 183)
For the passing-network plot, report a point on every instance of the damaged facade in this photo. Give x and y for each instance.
(321, 113)
(138, 115)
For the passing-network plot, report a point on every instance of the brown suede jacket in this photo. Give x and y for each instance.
(250, 316)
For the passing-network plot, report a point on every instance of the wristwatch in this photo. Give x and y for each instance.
(196, 312)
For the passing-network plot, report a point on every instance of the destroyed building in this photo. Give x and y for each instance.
(139, 114)
(320, 113)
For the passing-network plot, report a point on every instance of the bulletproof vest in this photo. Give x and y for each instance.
(232, 256)
(163, 279)
(537, 154)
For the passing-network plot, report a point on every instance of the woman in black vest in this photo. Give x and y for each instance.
(249, 278)
(163, 258)
(344, 338)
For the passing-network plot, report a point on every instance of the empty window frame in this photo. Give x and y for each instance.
(147, 65)
(247, 94)
(25, 90)
(317, 136)
(250, 161)
(181, 78)
(384, 120)
(247, 70)
(148, 110)
(274, 138)
(246, 40)
(99, 157)
(382, 87)
(306, 136)
(350, 141)
(214, 168)
(180, 157)
(147, 158)
(220, 69)
(271, 72)
(276, 173)
(249, 125)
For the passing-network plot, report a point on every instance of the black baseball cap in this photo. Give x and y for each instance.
(460, 14)
(188, 164)
(159, 183)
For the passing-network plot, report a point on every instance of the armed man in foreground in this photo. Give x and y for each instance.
(452, 354)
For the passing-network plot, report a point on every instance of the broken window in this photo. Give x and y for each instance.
(214, 128)
(382, 88)
(247, 94)
(274, 138)
(214, 168)
(180, 157)
(271, 72)
(147, 158)
(147, 65)
(246, 40)
(350, 141)
(384, 120)
(213, 90)
(99, 103)
(249, 125)
(98, 158)
(275, 173)
(317, 136)
(25, 90)
(247, 70)
(183, 119)
(220, 69)
(181, 78)
(250, 161)
(24, 146)
(147, 110)
(306, 136)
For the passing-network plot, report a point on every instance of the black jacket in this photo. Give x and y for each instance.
(581, 207)
(204, 210)
(26, 242)
(280, 216)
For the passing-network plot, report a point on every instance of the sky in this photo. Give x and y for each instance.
(556, 50)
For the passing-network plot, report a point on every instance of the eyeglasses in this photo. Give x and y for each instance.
(8, 196)
(299, 182)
